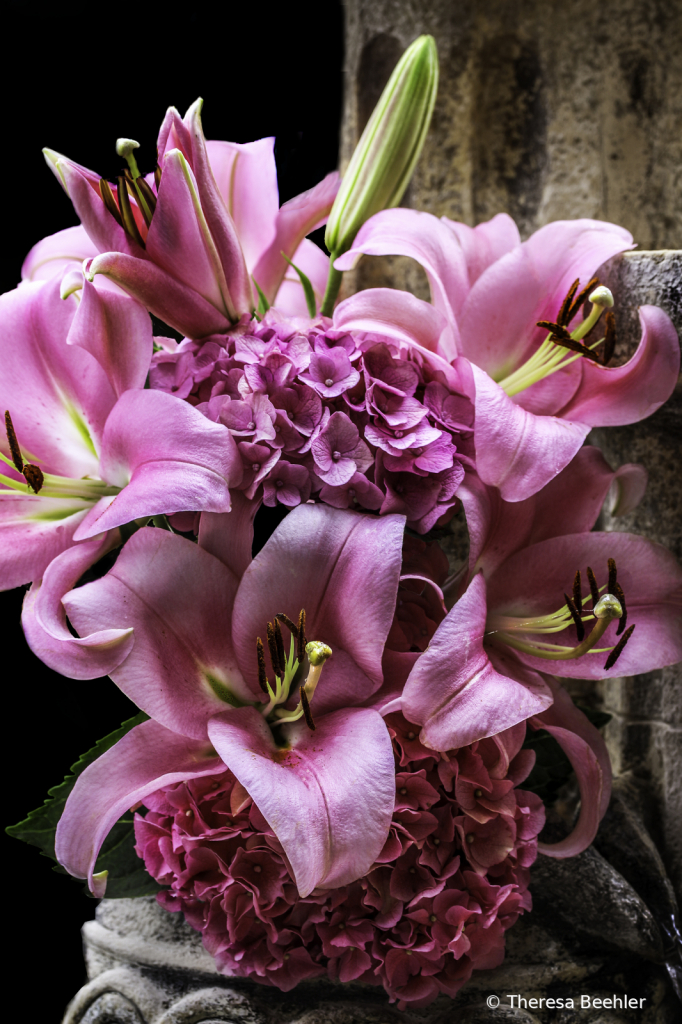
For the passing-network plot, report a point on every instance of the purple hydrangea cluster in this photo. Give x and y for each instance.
(451, 878)
(347, 418)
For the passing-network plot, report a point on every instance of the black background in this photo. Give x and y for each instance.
(74, 79)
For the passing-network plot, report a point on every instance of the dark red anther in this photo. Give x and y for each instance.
(581, 296)
(562, 315)
(306, 709)
(579, 627)
(138, 187)
(272, 647)
(300, 653)
(609, 337)
(280, 646)
(594, 589)
(289, 623)
(618, 649)
(15, 451)
(262, 673)
(129, 224)
(560, 336)
(623, 621)
(109, 201)
(613, 576)
(34, 477)
(578, 592)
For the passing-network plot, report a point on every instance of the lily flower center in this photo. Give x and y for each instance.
(48, 484)
(517, 631)
(562, 347)
(286, 667)
(131, 185)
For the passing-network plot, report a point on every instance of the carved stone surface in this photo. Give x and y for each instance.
(645, 733)
(546, 110)
(591, 934)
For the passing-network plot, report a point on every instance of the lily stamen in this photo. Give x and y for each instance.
(604, 610)
(552, 355)
(318, 653)
(33, 475)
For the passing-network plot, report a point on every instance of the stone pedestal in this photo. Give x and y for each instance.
(602, 928)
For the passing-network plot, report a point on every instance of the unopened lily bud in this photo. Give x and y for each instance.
(389, 148)
(602, 296)
(608, 607)
(124, 148)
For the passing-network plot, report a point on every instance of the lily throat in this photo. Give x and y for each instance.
(592, 611)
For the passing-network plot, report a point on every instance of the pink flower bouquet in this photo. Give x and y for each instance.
(333, 769)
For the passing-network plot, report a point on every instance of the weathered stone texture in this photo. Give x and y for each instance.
(645, 733)
(546, 110)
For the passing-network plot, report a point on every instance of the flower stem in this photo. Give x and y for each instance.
(333, 285)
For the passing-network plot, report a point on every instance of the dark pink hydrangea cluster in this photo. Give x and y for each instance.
(343, 417)
(452, 877)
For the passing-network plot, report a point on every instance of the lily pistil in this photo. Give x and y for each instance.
(562, 346)
(515, 631)
(286, 670)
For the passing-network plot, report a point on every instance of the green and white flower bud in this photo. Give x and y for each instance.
(385, 156)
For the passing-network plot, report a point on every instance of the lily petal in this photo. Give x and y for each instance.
(516, 450)
(167, 457)
(485, 243)
(570, 503)
(315, 265)
(83, 190)
(229, 536)
(33, 531)
(44, 617)
(246, 176)
(344, 553)
(58, 395)
(178, 305)
(178, 599)
(147, 758)
(51, 256)
(533, 581)
(179, 239)
(295, 220)
(456, 692)
(498, 321)
(218, 219)
(328, 796)
(591, 782)
(610, 396)
(424, 238)
(117, 331)
(394, 314)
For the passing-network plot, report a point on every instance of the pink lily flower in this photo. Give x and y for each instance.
(486, 665)
(511, 309)
(188, 240)
(194, 663)
(98, 449)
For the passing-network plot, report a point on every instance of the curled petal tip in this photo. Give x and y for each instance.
(98, 884)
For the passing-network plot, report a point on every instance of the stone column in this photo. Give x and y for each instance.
(549, 110)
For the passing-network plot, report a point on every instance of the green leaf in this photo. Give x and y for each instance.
(263, 304)
(307, 288)
(127, 875)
